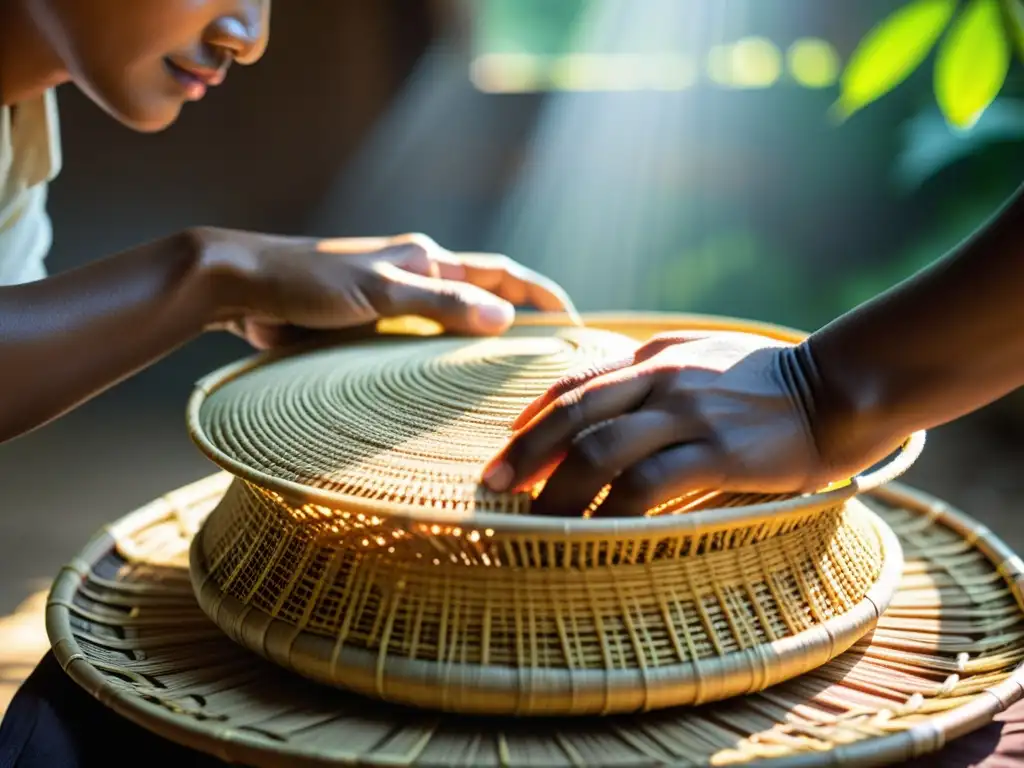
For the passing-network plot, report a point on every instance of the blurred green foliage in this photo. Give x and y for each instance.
(973, 38)
(779, 213)
(539, 27)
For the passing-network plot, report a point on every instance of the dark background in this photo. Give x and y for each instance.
(362, 120)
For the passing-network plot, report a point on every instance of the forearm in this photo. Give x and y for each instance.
(68, 338)
(944, 343)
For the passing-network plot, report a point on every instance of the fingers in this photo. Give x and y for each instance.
(415, 253)
(508, 279)
(516, 284)
(459, 307)
(663, 341)
(546, 439)
(565, 385)
(596, 458)
(664, 476)
(351, 246)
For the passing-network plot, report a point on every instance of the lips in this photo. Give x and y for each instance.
(190, 72)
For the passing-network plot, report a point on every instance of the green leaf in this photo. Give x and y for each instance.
(1013, 19)
(972, 63)
(891, 51)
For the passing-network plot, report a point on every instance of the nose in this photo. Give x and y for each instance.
(244, 33)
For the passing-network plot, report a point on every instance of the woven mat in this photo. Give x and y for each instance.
(942, 661)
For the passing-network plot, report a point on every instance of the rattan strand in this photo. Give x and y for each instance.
(944, 659)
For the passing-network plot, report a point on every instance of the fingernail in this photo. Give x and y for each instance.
(494, 315)
(498, 477)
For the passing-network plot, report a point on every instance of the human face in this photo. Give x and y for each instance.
(141, 60)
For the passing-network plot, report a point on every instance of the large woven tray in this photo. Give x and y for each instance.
(943, 660)
(357, 548)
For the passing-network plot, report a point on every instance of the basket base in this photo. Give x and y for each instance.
(474, 689)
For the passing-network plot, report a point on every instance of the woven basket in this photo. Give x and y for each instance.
(943, 660)
(357, 548)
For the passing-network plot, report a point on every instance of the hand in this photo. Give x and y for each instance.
(278, 288)
(711, 411)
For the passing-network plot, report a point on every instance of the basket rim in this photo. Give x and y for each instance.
(403, 513)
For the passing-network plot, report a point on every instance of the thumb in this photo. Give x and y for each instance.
(457, 306)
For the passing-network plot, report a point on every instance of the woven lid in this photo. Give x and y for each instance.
(400, 423)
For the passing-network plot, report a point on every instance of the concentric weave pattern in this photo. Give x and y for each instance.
(408, 422)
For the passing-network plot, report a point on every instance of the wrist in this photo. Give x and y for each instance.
(225, 270)
(852, 411)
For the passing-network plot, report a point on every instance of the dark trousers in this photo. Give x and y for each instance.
(52, 723)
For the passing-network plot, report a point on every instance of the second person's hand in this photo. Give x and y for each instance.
(712, 411)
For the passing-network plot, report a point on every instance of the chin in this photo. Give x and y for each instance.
(148, 123)
(150, 118)
(145, 115)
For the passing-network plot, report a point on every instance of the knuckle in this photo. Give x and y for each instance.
(600, 369)
(571, 406)
(668, 338)
(668, 386)
(418, 260)
(196, 240)
(581, 378)
(563, 384)
(421, 242)
(660, 339)
(486, 258)
(566, 385)
(199, 233)
(413, 252)
(504, 263)
(592, 452)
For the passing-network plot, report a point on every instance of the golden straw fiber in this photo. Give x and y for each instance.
(357, 548)
(943, 660)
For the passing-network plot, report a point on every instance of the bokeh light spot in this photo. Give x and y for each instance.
(813, 63)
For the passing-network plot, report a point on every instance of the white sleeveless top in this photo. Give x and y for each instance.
(29, 158)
